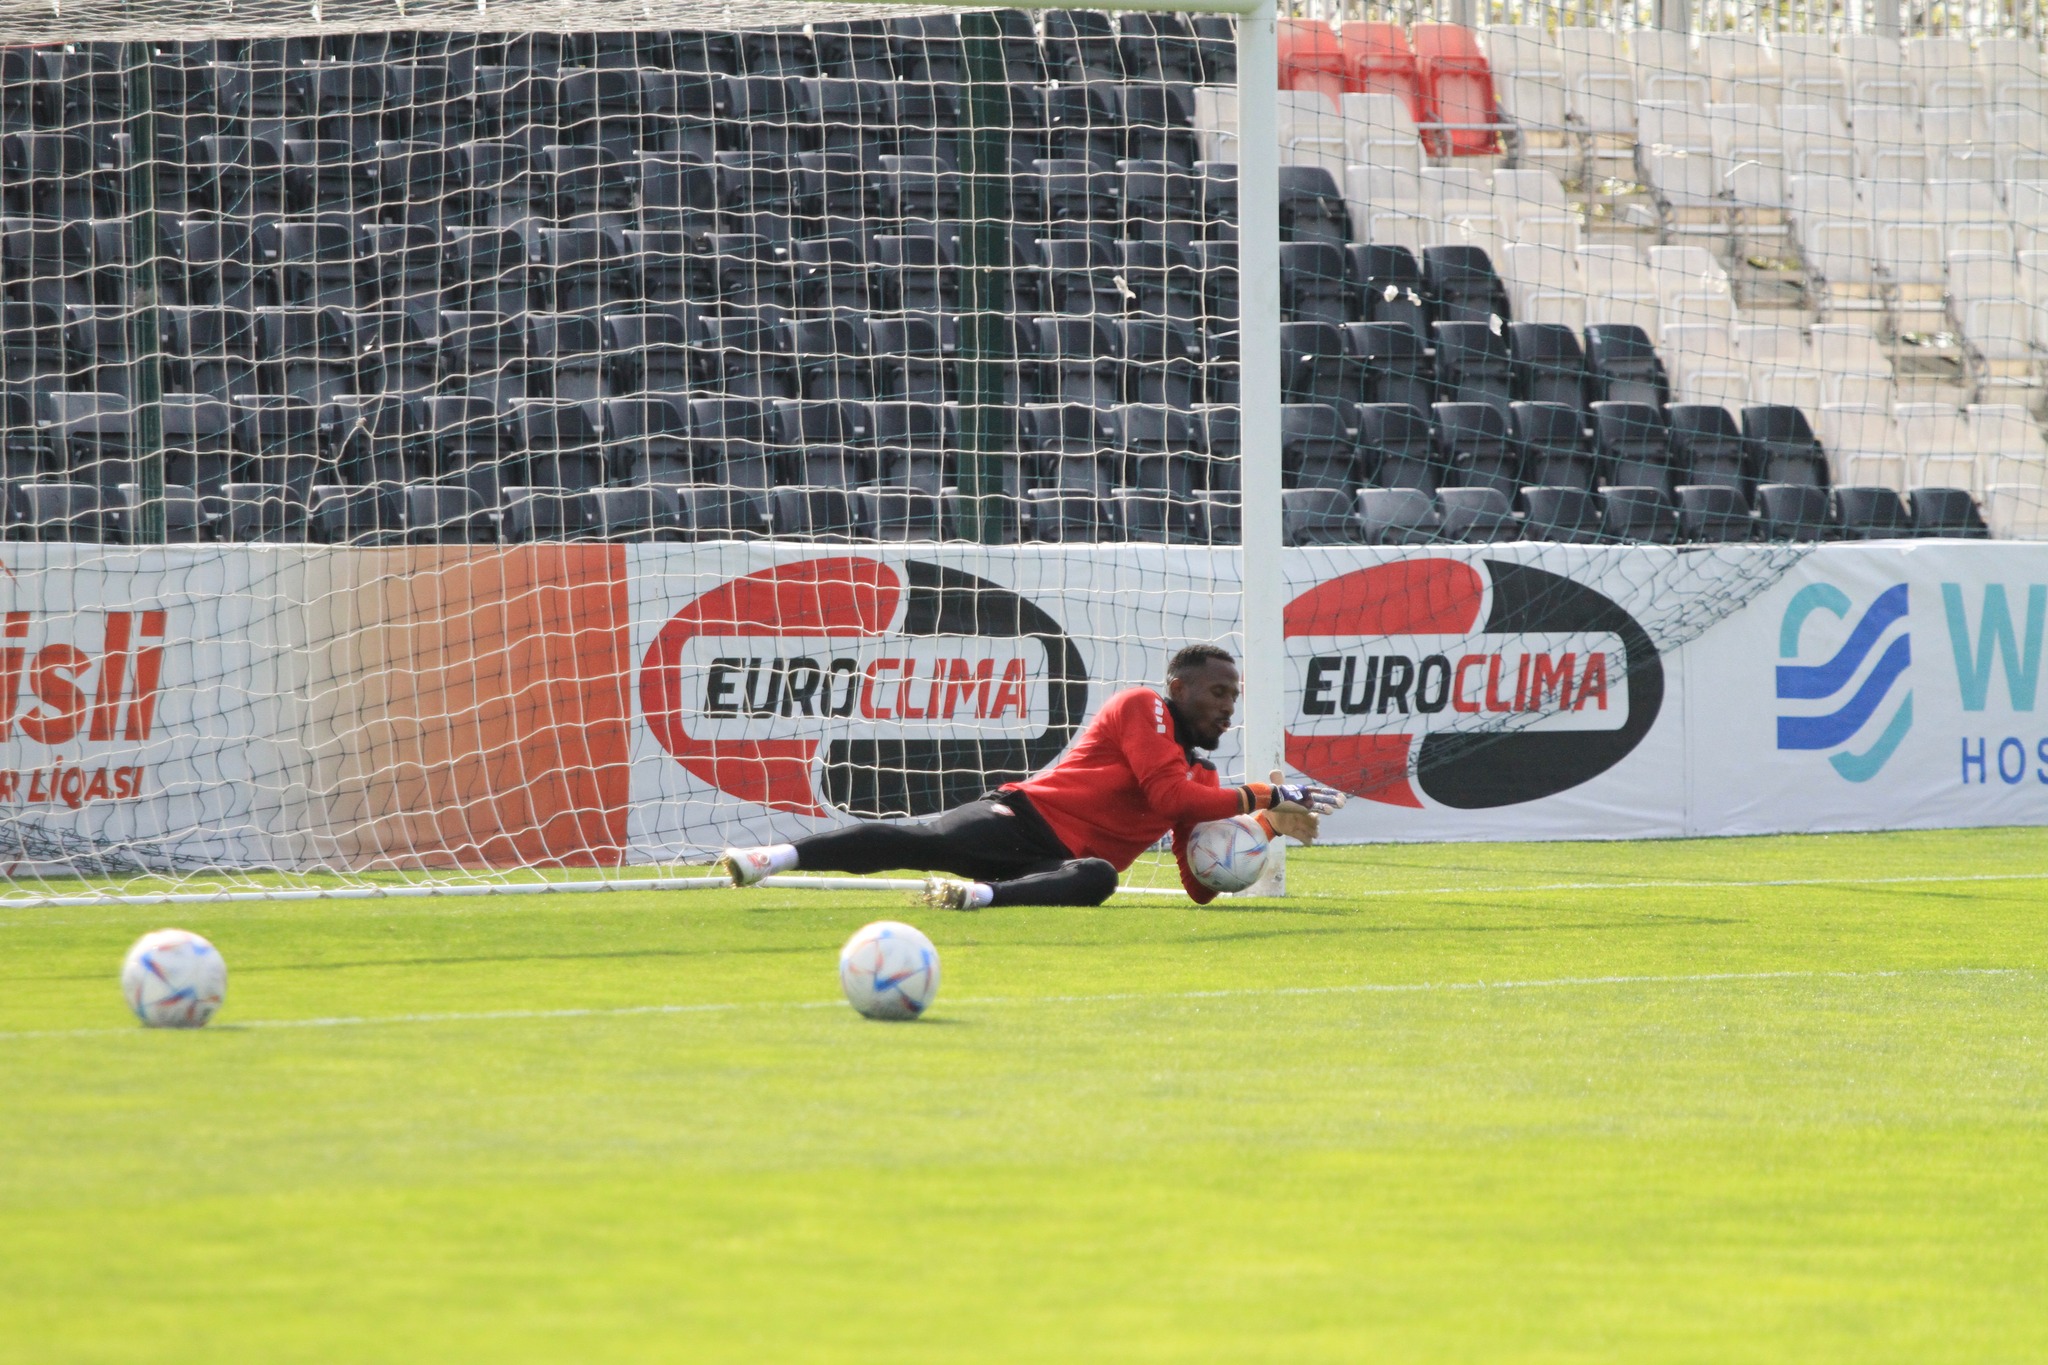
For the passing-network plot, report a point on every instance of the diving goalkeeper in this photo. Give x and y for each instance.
(1061, 837)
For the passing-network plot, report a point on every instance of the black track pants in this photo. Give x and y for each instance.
(999, 840)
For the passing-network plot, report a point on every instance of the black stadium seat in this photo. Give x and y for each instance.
(1397, 516)
(1164, 280)
(1315, 283)
(1159, 47)
(1569, 515)
(1713, 513)
(1792, 511)
(1637, 515)
(1634, 445)
(1162, 194)
(187, 519)
(1162, 361)
(1550, 439)
(1476, 516)
(1312, 206)
(1316, 449)
(1549, 365)
(1864, 513)
(1473, 365)
(1390, 363)
(1622, 367)
(1947, 512)
(1473, 446)
(1079, 361)
(444, 514)
(1459, 285)
(1396, 447)
(55, 511)
(353, 514)
(1314, 364)
(1318, 516)
(1783, 446)
(1390, 285)
(1081, 45)
(1707, 446)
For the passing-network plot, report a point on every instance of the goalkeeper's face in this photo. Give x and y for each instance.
(1206, 698)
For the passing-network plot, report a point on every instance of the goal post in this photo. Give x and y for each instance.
(1258, 191)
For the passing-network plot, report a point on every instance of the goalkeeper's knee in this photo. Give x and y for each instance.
(1094, 879)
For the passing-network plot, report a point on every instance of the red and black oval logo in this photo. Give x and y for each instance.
(1403, 695)
(853, 684)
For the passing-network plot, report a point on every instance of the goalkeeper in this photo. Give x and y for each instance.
(1061, 837)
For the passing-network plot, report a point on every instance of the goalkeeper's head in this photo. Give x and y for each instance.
(1202, 684)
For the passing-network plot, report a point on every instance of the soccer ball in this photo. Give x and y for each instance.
(174, 979)
(1227, 855)
(889, 971)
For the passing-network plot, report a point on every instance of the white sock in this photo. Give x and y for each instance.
(980, 895)
(781, 858)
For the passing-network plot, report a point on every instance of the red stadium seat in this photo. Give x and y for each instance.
(1457, 90)
(1310, 58)
(1378, 61)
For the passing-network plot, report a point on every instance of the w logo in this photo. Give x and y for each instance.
(1855, 693)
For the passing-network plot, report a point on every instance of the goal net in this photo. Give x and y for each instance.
(540, 444)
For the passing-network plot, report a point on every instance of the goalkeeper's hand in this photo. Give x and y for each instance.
(1297, 810)
(1309, 796)
(1294, 822)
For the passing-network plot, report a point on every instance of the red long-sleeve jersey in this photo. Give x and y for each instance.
(1127, 780)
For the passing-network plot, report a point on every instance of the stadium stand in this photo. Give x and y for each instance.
(474, 286)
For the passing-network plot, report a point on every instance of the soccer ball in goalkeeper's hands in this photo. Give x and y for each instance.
(1227, 855)
(174, 979)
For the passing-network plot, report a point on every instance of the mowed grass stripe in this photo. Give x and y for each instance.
(1108, 997)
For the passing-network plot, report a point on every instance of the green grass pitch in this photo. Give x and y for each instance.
(1721, 1101)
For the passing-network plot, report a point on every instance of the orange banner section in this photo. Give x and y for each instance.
(473, 707)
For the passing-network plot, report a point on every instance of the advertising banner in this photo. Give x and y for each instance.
(177, 708)
(1499, 692)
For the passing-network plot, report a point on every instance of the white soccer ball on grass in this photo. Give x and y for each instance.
(889, 971)
(1227, 855)
(174, 979)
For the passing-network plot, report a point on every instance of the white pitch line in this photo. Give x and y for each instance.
(1114, 997)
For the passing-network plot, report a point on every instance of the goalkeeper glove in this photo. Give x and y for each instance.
(1311, 797)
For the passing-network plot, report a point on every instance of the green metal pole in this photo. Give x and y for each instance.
(145, 350)
(985, 342)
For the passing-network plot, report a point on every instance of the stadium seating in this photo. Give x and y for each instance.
(738, 266)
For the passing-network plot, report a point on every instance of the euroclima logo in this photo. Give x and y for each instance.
(1836, 700)
(1471, 685)
(852, 684)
